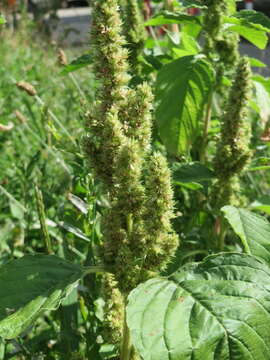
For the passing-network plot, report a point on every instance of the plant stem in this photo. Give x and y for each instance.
(95, 269)
(207, 121)
(126, 343)
(42, 220)
(221, 239)
(57, 121)
(169, 5)
(126, 347)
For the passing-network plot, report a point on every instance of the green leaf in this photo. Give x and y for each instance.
(188, 46)
(262, 204)
(254, 33)
(193, 4)
(168, 17)
(253, 230)
(262, 97)
(254, 17)
(182, 90)
(256, 63)
(192, 172)
(215, 310)
(30, 286)
(264, 81)
(73, 230)
(77, 64)
(2, 20)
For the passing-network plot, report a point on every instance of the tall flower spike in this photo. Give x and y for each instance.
(113, 310)
(137, 234)
(161, 241)
(109, 54)
(111, 68)
(221, 46)
(134, 31)
(136, 117)
(233, 152)
(124, 216)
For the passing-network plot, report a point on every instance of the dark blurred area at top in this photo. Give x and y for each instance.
(259, 5)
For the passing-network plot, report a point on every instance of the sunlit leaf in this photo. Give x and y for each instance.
(182, 90)
(215, 310)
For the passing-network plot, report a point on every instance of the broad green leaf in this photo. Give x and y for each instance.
(77, 64)
(168, 17)
(254, 33)
(253, 230)
(215, 310)
(30, 286)
(182, 90)
(192, 172)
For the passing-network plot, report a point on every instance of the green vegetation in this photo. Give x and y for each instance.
(134, 188)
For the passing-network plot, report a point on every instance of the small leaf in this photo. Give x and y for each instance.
(182, 90)
(192, 172)
(255, 17)
(78, 203)
(253, 230)
(262, 204)
(30, 286)
(16, 210)
(193, 4)
(188, 46)
(168, 17)
(254, 33)
(2, 20)
(77, 64)
(215, 310)
(256, 63)
(73, 230)
(262, 100)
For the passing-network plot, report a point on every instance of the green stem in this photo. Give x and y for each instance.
(126, 347)
(42, 220)
(207, 121)
(95, 269)
(222, 235)
(56, 120)
(126, 343)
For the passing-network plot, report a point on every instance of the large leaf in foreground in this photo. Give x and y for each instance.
(215, 310)
(30, 286)
(253, 230)
(182, 90)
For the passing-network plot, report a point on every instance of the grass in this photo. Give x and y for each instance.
(38, 151)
